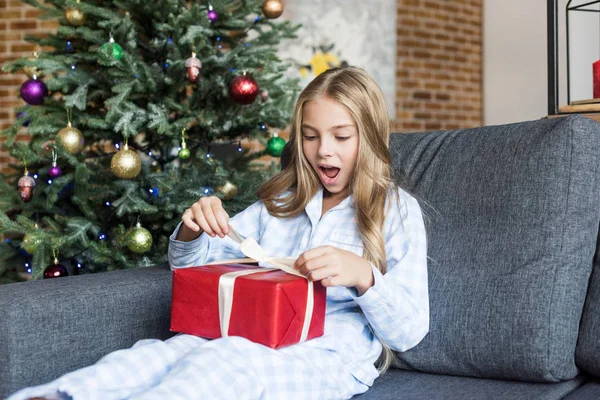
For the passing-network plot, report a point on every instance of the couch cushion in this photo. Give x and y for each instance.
(586, 392)
(512, 217)
(587, 356)
(55, 326)
(397, 384)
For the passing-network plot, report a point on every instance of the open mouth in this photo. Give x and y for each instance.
(329, 174)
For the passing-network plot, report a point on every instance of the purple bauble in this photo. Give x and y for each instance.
(212, 15)
(54, 171)
(34, 91)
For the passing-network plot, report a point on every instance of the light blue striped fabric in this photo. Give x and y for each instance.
(335, 366)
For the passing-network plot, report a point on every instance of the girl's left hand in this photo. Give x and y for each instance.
(336, 267)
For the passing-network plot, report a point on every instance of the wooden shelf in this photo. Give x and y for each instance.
(592, 115)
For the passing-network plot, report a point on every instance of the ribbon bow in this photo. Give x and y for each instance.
(254, 252)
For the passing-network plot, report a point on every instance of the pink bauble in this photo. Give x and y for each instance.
(212, 15)
(54, 171)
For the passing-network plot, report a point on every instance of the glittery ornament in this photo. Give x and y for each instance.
(30, 243)
(139, 240)
(26, 184)
(71, 139)
(126, 164)
(75, 17)
(34, 91)
(55, 270)
(228, 190)
(113, 48)
(275, 146)
(243, 89)
(272, 8)
(193, 67)
(54, 171)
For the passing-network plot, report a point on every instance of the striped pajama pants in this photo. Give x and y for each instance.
(189, 367)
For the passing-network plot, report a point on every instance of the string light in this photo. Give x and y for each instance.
(150, 154)
(49, 181)
(117, 145)
(35, 176)
(107, 204)
(102, 236)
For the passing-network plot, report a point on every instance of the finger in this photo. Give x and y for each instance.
(309, 266)
(320, 274)
(221, 216)
(205, 226)
(330, 281)
(310, 255)
(188, 221)
(209, 216)
(198, 217)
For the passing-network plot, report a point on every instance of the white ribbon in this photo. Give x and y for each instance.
(252, 249)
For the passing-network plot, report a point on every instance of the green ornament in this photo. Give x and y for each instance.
(184, 153)
(139, 239)
(113, 48)
(30, 243)
(275, 146)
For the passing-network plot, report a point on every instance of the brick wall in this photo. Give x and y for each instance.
(438, 71)
(16, 21)
(438, 65)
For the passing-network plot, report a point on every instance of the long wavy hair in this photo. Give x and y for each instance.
(372, 179)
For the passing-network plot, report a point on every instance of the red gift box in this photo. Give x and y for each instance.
(268, 307)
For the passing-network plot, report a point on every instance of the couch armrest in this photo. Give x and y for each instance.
(51, 327)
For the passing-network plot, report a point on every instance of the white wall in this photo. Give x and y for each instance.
(515, 58)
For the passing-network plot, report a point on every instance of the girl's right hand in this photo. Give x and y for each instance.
(208, 215)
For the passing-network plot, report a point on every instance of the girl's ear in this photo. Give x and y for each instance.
(286, 153)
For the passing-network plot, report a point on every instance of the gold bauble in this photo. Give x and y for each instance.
(126, 164)
(71, 139)
(228, 190)
(31, 71)
(75, 17)
(272, 8)
(139, 240)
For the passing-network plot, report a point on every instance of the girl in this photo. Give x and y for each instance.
(335, 208)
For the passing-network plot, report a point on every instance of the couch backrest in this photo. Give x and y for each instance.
(587, 355)
(512, 217)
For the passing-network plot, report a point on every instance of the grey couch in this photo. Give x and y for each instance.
(513, 215)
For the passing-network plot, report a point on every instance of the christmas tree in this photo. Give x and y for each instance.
(135, 109)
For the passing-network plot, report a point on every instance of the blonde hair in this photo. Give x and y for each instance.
(372, 180)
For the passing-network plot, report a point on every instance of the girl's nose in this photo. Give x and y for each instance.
(325, 147)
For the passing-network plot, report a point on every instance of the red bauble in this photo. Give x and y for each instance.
(243, 89)
(55, 270)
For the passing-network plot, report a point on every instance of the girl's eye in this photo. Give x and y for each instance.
(310, 137)
(342, 138)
